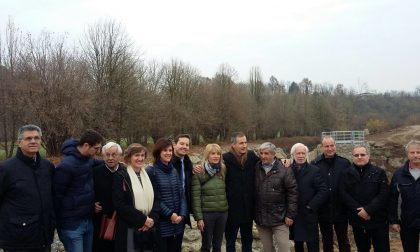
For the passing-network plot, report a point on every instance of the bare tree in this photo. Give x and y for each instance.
(112, 63)
(11, 106)
(56, 93)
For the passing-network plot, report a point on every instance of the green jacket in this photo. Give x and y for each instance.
(208, 194)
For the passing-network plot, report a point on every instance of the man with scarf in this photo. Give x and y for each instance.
(240, 176)
(26, 203)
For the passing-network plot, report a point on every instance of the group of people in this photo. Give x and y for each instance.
(226, 193)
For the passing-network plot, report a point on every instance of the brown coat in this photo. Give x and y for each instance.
(276, 195)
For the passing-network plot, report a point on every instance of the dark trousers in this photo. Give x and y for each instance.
(365, 238)
(170, 244)
(327, 234)
(312, 246)
(231, 233)
(410, 239)
(100, 245)
(214, 227)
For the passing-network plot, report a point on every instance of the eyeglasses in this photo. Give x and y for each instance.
(29, 139)
(359, 155)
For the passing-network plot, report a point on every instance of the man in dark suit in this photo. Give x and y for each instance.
(182, 163)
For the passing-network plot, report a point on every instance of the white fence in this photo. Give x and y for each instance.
(346, 137)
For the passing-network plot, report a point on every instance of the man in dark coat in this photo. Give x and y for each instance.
(182, 163)
(312, 194)
(364, 190)
(276, 196)
(332, 214)
(102, 178)
(240, 176)
(26, 203)
(74, 195)
(404, 213)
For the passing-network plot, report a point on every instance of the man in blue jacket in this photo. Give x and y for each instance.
(404, 212)
(26, 203)
(74, 195)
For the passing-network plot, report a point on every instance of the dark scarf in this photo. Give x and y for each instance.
(212, 169)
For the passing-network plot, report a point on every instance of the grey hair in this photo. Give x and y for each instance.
(235, 135)
(361, 146)
(297, 145)
(109, 145)
(267, 145)
(327, 137)
(28, 127)
(412, 142)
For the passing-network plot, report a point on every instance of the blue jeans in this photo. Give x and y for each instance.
(79, 239)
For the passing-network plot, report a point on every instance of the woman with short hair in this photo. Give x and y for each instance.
(136, 204)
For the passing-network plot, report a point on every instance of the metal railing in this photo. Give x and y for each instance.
(346, 137)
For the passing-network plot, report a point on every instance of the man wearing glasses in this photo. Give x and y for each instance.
(74, 195)
(26, 204)
(364, 190)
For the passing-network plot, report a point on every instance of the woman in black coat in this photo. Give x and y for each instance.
(313, 192)
(136, 203)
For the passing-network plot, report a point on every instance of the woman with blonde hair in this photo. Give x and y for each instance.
(209, 201)
(135, 202)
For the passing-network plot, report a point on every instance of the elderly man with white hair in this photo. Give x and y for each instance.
(313, 192)
(276, 196)
(102, 176)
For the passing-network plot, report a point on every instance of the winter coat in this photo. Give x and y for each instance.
(168, 186)
(404, 186)
(74, 195)
(127, 215)
(276, 195)
(369, 190)
(102, 181)
(240, 187)
(208, 194)
(312, 194)
(27, 217)
(333, 210)
(176, 162)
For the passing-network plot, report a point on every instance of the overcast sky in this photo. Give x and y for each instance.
(328, 41)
